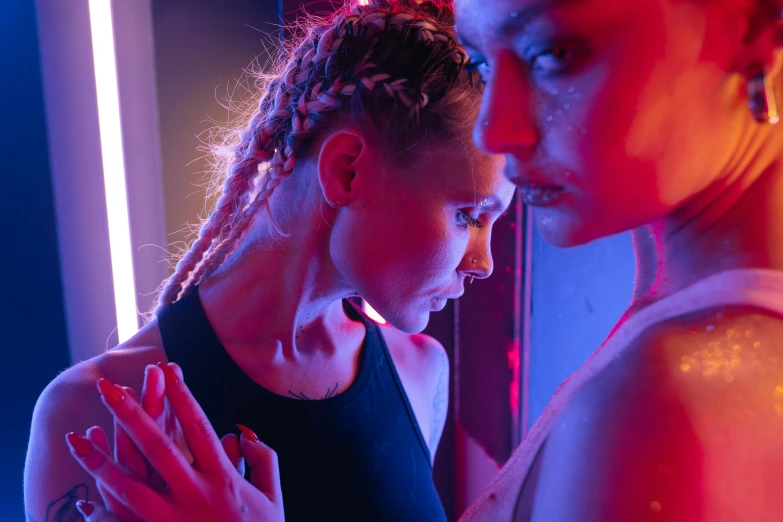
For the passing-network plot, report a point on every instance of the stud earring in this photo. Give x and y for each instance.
(761, 99)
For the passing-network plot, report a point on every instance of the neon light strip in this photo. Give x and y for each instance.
(372, 314)
(113, 167)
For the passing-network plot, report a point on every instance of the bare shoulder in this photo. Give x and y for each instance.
(691, 405)
(413, 349)
(71, 402)
(419, 359)
(423, 367)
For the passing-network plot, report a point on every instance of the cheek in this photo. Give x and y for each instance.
(394, 251)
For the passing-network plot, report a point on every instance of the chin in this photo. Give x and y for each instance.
(411, 322)
(565, 238)
(568, 231)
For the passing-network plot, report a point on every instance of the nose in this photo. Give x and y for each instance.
(478, 260)
(505, 124)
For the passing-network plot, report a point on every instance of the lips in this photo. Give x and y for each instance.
(536, 194)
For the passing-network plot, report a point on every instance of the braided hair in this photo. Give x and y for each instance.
(394, 65)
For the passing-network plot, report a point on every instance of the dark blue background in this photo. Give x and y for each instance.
(32, 316)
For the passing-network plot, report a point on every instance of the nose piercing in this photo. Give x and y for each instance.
(470, 279)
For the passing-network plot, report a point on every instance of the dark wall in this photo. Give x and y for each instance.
(32, 317)
(202, 48)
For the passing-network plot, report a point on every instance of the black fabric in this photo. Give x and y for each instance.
(357, 456)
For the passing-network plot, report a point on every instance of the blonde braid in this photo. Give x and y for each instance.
(297, 94)
(253, 149)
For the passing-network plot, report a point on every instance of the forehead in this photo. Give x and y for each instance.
(499, 19)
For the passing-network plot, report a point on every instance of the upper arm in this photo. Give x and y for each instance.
(682, 428)
(53, 480)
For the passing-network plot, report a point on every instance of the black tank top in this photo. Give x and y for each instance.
(357, 456)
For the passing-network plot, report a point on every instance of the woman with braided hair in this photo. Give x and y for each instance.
(660, 117)
(355, 176)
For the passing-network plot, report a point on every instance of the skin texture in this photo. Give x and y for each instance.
(289, 332)
(638, 111)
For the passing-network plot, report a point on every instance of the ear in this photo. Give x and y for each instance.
(342, 152)
(762, 42)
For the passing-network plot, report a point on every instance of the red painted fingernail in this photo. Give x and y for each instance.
(86, 508)
(168, 374)
(80, 445)
(114, 394)
(248, 433)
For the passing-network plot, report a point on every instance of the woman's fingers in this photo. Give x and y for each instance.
(125, 451)
(264, 470)
(137, 497)
(97, 436)
(230, 444)
(153, 392)
(153, 443)
(199, 434)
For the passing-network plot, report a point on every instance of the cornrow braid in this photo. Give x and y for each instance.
(388, 61)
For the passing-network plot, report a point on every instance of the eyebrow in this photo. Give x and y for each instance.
(518, 19)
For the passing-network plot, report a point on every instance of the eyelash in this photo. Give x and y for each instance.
(481, 66)
(464, 220)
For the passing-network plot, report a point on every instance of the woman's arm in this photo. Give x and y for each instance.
(53, 482)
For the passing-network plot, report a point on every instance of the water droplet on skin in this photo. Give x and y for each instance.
(549, 118)
(566, 105)
(577, 96)
(514, 14)
(710, 328)
(571, 90)
(558, 112)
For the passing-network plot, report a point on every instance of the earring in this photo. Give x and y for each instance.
(761, 99)
(337, 204)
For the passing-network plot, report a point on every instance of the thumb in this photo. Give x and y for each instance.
(264, 470)
(233, 451)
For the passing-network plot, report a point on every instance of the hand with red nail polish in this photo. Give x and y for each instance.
(210, 489)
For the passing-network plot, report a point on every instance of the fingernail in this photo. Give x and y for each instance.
(168, 374)
(80, 445)
(85, 508)
(114, 394)
(248, 433)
